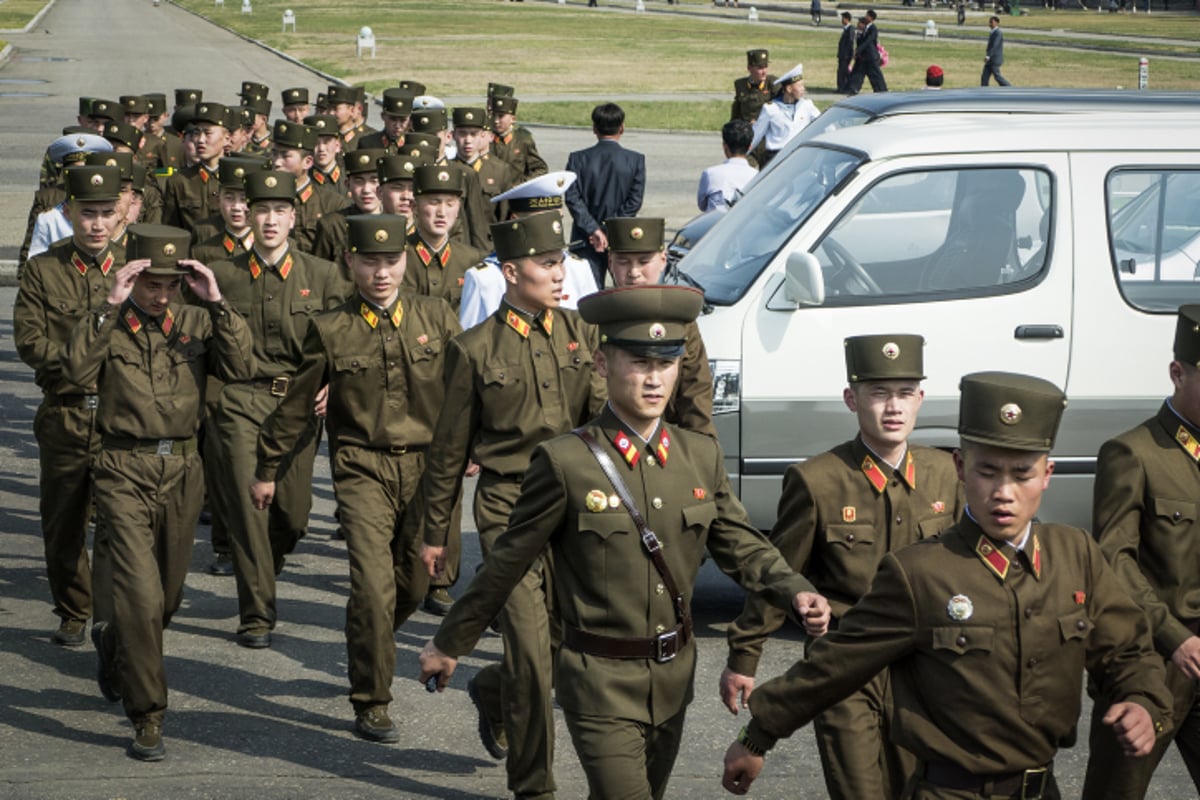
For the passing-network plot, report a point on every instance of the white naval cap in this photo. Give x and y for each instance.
(795, 74)
(427, 101)
(64, 146)
(541, 193)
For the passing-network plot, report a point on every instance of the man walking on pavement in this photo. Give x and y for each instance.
(995, 55)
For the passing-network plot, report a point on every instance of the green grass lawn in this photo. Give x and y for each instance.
(15, 14)
(552, 51)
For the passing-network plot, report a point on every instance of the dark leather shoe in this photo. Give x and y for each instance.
(375, 725)
(491, 732)
(70, 633)
(255, 638)
(105, 674)
(438, 602)
(147, 743)
(221, 565)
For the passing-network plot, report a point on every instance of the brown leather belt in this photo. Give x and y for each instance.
(158, 447)
(278, 387)
(1029, 784)
(89, 401)
(661, 648)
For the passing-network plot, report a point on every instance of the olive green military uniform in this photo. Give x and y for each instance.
(334, 179)
(384, 369)
(163, 151)
(191, 194)
(749, 98)
(517, 146)
(439, 273)
(278, 301)
(223, 246)
(151, 374)
(314, 201)
(473, 218)
(512, 382)
(329, 241)
(496, 176)
(57, 289)
(986, 644)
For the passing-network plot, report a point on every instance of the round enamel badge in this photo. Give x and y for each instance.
(596, 500)
(960, 608)
(1010, 413)
(658, 331)
(891, 351)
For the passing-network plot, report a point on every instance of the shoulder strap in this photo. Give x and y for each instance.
(650, 540)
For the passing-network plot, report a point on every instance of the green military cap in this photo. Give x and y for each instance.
(105, 109)
(757, 58)
(528, 236)
(214, 113)
(634, 234)
(499, 90)
(377, 233)
(322, 101)
(257, 103)
(123, 133)
(182, 117)
(232, 170)
(254, 89)
(164, 245)
(401, 167)
(289, 134)
(431, 178)
(184, 97)
(323, 124)
(363, 160)
(1004, 409)
(470, 118)
(134, 103)
(342, 94)
(122, 161)
(139, 177)
(270, 185)
(885, 357)
(93, 182)
(296, 96)
(412, 87)
(1187, 335)
(423, 142)
(71, 130)
(504, 105)
(429, 120)
(85, 106)
(397, 102)
(156, 103)
(240, 117)
(645, 320)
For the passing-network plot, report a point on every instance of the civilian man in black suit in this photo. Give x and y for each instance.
(845, 53)
(995, 55)
(866, 58)
(610, 183)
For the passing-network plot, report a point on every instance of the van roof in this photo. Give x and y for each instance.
(964, 132)
(1016, 100)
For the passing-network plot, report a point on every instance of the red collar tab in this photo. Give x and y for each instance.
(1189, 443)
(627, 449)
(663, 449)
(1037, 557)
(910, 470)
(996, 561)
(168, 322)
(874, 474)
(305, 193)
(369, 315)
(131, 320)
(517, 323)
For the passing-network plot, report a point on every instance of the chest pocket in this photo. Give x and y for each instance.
(503, 377)
(605, 525)
(699, 516)
(128, 359)
(1075, 626)
(935, 525)
(963, 639)
(849, 536)
(305, 305)
(190, 351)
(428, 352)
(347, 367)
(1176, 512)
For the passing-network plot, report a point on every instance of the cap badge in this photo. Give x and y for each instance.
(80, 142)
(1010, 413)
(560, 182)
(270, 182)
(169, 249)
(283, 127)
(443, 176)
(556, 226)
(97, 180)
(596, 501)
(469, 115)
(239, 172)
(319, 123)
(891, 350)
(960, 608)
(110, 162)
(657, 331)
(381, 236)
(636, 233)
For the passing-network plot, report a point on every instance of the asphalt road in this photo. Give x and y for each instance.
(276, 723)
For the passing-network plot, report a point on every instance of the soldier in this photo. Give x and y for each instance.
(396, 113)
(190, 194)
(788, 113)
(496, 176)
(345, 103)
(327, 167)
(622, 585)
(63, 152)
(295, 105)
(163, 150)
(474, 216)
(396, 183)
(57, 289)
(987, 629)
(260, 131)
(362, 178)
(518, 379)
(838, 515)
(135, 112)
(437, 266)
(381, 356)
(752, 91)
(55, 225)
(1145, 521)
(229, 233)
(149, 357)
(277, 289)
(512, 142)
(292, 152)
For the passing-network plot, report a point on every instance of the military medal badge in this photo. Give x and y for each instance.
(596, 500)
(960, 608)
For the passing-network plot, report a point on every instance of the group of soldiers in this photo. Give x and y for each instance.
(310, 278)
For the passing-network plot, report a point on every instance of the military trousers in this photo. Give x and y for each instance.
(149, 505)
(857, 755)
(1112, 774)
(210, 451)
(524, 678)
(260, 539)
(374, 490)
(67, 447)
(449, 574)
(626, 758)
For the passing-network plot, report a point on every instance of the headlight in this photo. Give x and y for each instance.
(727, 383)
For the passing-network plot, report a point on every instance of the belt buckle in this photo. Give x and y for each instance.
(398, 451)
(1038, 777)
(91, 401)
(165, 447)
(662, 655)
(279, 386)
(650, 539)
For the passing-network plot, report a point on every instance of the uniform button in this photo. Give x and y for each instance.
(158, 377)
(899, 519)
(1028, 613)
(1016, 565)
(354, 363)
(537, 353)
(1176, 516)
(1031, 663)
(895, 483)
(1080, 624)
(659, 589)
(849, 537)
(659, 628)
(428, 350)
(650, 460)
(577, 360)
(391, 363)
(656, 502)
(387, 338)
(270, 297)
(545, 384)
(961, 641)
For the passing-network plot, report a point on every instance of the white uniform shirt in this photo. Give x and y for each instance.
(719, 185)
(483, 288)
(50, 227)
(778, 122)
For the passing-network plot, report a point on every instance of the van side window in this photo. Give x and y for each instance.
(1154, 234)
(925, 236)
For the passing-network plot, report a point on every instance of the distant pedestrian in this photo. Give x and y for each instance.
(934, 78)
(995, 55)
(845, 53)
(815, 11)
(868, 62)
(722, 184)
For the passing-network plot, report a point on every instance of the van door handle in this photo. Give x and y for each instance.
(1039, 332)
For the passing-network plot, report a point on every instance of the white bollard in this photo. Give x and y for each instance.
(931, 31)
(366, 41)
(289, 18)
(639, 7)
(753, 17)
(246, 7)
(219, 3)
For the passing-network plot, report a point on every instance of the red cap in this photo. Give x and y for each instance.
(934, 71)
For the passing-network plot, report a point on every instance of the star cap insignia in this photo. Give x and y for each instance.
(381, 236)
(891, 351)
(1010, 413)
(97, 180)
(636, 233)
(270, 182)
(960, 608)
(168, 249)
(657, 331)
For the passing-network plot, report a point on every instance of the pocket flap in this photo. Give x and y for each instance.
(962, 639)
(502, 375)
(849, 535)
(1075, 625)
(701, 514)
(350, 364)
(935, 525)
(605, 524)
(425, 352)
(1174, 510)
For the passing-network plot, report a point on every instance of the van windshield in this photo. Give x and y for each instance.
(730, 258)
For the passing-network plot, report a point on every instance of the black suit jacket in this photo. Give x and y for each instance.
(867, 51)
(610, 181)
(846, 44)
(995, 47)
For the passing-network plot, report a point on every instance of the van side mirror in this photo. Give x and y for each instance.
(803, 283)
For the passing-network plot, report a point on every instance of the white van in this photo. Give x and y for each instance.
(1059, 246)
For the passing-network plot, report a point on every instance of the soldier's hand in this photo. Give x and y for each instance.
(741, 768)
(814, 611)
(735, 689)
(1133, 726)
(1187, 657)
(321, 405)
(201, 281)
(125, 278)
(598, 240)
(262, 493)
(435, 662)
(472, 470)
(434, 559)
